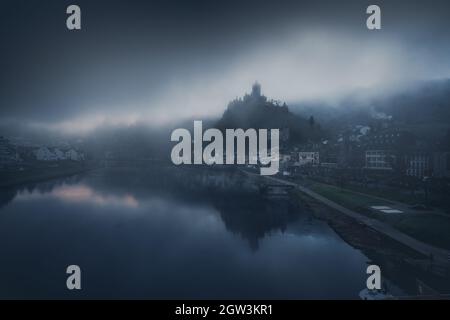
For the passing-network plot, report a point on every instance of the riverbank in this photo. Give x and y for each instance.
(393, 257)
(438, 255)
(429, 226)
(12, 178)
(436, 259)
(357, 234)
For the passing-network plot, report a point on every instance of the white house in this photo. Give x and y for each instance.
(44, 154)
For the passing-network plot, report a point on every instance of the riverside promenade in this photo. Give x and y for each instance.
(439, 257)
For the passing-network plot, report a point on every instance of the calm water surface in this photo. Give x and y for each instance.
(156, 235)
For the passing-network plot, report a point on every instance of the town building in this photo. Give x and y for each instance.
(379, 160)
(418, 165)
(441, 164)
(308, 158)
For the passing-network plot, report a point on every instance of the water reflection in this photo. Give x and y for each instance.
(191, 234)
(8, 194)
(77, 194)
(254, 218)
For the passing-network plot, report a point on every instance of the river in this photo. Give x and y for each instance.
(169, 234)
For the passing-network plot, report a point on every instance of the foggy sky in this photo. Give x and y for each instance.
(160, 61)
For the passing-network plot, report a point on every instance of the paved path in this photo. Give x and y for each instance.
(440, 256)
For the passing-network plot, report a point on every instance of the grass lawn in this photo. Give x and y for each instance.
(356, 202)
(407, 198)
(429, 228)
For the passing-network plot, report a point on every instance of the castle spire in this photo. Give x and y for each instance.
(256, 90)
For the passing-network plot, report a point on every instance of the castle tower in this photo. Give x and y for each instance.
(256, 90)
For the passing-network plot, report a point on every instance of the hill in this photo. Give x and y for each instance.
(423, 108)
(256, 111)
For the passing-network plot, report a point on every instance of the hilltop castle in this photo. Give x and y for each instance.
(256, 90)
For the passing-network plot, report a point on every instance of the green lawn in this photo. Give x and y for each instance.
(407, 198)
(429, 228)
(357, 202)
(391, 194)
